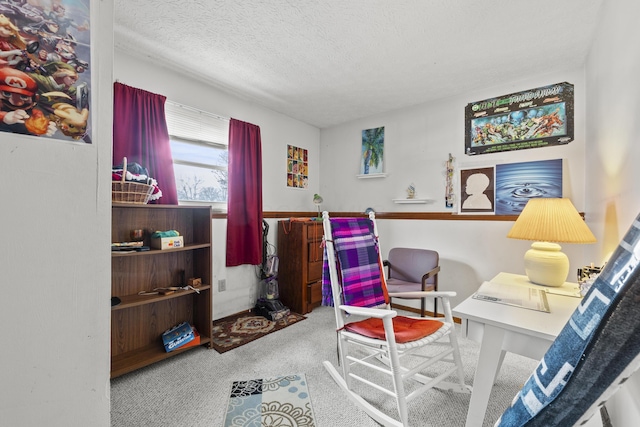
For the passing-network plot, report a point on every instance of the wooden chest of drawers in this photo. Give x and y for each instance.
(300, 270)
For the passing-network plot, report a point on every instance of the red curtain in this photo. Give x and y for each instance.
(244, 203)
(140, 134)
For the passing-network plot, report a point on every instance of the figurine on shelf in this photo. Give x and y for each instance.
(411, 191)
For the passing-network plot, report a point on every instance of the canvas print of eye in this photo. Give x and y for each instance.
(516, 183)
(297, 167)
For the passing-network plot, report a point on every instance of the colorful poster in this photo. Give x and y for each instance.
(45, 73)
(530, 119)
(297, 167)
(516, 183)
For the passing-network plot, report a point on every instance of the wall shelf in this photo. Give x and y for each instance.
(372, 175)
(412, 201)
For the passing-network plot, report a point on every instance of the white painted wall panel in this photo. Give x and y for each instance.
(56, 263)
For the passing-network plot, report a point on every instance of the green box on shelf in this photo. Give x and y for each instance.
(167, 242)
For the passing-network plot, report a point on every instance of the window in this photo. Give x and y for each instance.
(199, 146)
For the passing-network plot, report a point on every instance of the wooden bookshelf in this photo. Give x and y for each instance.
(138, 321)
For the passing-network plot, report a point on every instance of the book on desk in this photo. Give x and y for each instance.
(517, 296)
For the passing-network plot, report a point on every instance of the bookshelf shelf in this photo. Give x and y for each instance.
(164, 251)
(143, 356)
(128, 301)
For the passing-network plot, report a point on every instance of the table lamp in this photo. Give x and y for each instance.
(317, 200)
(547, 221)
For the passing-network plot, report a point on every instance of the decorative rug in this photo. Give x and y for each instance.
(234, 331)
(270, 402)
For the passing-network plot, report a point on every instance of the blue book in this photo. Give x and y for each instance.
(177, 336)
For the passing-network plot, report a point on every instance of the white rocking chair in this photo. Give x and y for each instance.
(383, 342)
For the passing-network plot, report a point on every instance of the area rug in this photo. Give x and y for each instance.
(234, 331)
(282, 401)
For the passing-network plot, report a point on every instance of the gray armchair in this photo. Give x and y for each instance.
(411, 270)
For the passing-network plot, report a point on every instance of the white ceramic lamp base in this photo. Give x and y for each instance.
(545, 265)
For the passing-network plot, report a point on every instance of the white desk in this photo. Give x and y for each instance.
(501, 328)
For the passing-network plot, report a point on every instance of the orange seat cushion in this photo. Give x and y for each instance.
(405, 328)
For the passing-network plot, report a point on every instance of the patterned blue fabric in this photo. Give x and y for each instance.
(601, 334)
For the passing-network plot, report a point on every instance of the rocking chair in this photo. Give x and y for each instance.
(382, 343)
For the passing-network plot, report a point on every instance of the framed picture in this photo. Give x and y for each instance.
(372, 154)
(297, 167)
(477, 190)
(530, 119)
(516, 183)
(45, 82)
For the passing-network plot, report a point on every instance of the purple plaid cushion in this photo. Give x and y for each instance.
(358, 263)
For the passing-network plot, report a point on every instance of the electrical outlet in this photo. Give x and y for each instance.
(222, 285)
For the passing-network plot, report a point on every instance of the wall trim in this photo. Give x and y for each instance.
(439, 216)
(430, 216)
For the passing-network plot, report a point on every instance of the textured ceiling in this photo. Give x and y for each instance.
(326, 62)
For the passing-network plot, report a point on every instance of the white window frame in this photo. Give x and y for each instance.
(201, 129)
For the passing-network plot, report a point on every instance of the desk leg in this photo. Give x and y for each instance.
(489, 360)
(502, 354)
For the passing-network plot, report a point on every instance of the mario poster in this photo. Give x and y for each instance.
(45, 73)
(533, 118)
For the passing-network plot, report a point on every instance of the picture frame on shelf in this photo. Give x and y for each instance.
(372, 153)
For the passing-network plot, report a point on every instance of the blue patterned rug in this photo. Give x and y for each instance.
(282, 401)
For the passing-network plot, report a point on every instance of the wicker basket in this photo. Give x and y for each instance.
(130, 192)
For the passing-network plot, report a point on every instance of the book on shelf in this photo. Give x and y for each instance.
(177, 336)
(196, 339)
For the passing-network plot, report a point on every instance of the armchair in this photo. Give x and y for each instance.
(413, 270)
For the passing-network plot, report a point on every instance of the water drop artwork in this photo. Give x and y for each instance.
(516, 183)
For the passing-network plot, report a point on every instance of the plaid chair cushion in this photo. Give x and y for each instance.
(358, 262)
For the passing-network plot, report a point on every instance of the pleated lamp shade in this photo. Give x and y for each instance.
(549, 221)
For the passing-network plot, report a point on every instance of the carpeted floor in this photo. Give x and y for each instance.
(192, 389)
(234, 331)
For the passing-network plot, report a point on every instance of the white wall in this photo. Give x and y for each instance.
(418, 141)
(613, 152)
(276, 130)
(55, 259)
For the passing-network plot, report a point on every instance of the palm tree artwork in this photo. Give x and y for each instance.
(372, 150)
